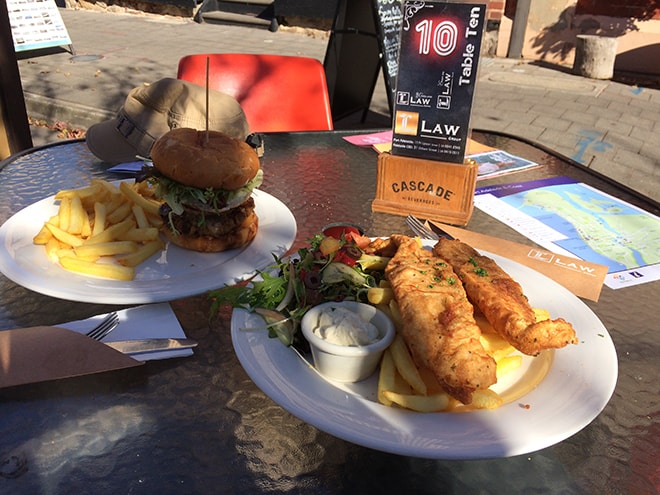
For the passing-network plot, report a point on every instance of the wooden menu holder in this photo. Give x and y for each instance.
(429, 189)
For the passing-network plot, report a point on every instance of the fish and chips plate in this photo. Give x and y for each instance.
(547, 399)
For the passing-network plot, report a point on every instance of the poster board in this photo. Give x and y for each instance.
(440, 48)
(389, 17)
(364, 39)
(36, 24)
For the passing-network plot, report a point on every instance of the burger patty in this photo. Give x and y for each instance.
(194, 222)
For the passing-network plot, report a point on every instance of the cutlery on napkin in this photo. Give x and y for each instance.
(37, 354)
(150, 321)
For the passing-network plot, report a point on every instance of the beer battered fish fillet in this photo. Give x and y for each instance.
(502, 301)
(438, 323)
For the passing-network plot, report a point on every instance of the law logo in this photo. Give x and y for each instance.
(544, 256)
(443, 103)
(403, 98)
(406, 123)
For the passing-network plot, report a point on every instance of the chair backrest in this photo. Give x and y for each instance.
(277, 92)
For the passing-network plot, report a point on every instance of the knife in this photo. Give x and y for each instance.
(151, 345)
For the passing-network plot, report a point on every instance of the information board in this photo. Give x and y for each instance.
(36, 24)
(388, 24)
(364, 39)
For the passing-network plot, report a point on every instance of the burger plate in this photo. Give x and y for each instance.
(173, 274)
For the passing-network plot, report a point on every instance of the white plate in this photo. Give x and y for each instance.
(174, 274)
(576, 388)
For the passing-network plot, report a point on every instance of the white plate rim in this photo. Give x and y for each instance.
(580, 383)
(204, 271)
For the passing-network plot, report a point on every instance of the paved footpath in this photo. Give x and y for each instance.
(611, 127)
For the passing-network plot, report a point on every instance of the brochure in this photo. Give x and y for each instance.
(498, 162)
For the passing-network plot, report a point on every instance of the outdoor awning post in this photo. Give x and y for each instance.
(519, 28)
(15, 133)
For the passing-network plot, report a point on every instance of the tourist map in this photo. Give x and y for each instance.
(575, 219)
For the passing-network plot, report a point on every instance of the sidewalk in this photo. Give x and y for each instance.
(611, 127)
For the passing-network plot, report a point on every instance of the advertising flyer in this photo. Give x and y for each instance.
(438, 60)
(497, 163)
(574, 219)
(36, 24)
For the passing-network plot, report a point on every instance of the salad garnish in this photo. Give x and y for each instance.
(328, 269)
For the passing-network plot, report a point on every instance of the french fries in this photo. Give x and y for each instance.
(380, 295)
(103, 230)
(142, 253)
(420, 403)
(63, 236)
(405, 365)
(507, 364)
(104, 270)
(485, 398)
(148, 205)
(100, 218)
(105, 249)
(386, 378)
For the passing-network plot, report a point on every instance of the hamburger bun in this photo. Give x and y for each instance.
(202, 160)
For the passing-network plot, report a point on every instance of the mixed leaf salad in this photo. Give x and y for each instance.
(329, 269)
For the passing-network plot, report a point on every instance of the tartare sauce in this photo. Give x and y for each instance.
(342, 326)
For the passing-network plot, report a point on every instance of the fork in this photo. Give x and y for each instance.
(420, 229)
(106, 326)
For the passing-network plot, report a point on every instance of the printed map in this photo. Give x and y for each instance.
(576, 219)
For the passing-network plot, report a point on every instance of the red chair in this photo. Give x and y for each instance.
(277, 93)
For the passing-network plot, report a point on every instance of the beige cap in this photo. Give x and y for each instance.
(152, 110)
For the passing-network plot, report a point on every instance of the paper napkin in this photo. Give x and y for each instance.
(128, 167)
(142, 322)
(40, 354)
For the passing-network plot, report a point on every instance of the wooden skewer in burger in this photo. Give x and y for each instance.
(206, 179)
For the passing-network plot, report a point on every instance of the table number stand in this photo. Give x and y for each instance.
(429, 189)
(426, 172)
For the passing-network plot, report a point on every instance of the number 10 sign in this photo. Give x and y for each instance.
(438, 59)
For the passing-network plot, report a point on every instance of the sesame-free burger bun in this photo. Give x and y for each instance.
(204, 159)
